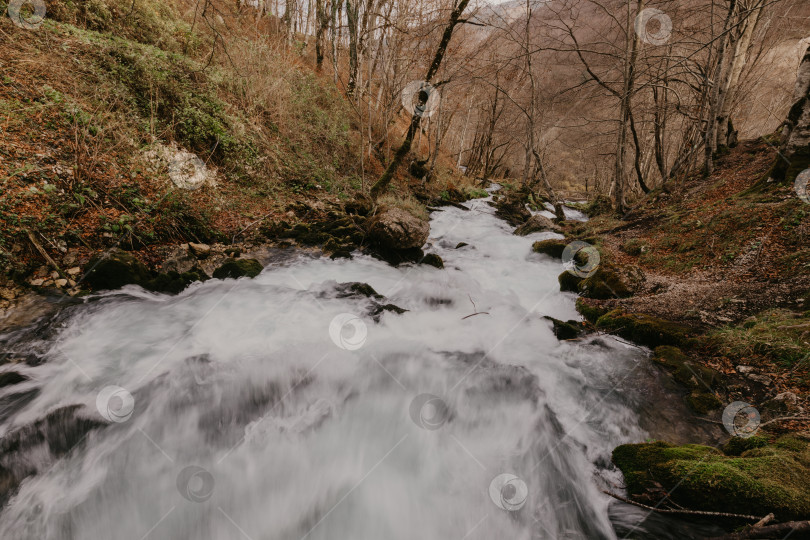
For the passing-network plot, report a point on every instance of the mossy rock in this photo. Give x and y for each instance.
(643, 329)
(759, 481)
(703, 402)
(635, 247)
(590, 311)
(694, 376)
(433, 260)
(238, 268)
(173, 282)
(566, 329)
(669, 356)
(115, 269)
(552, 248)
(737, 445)
(598, 206)
(569, 282)
(605, 283)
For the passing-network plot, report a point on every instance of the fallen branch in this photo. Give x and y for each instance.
(683, 512)
(44, 253)
(771, 531)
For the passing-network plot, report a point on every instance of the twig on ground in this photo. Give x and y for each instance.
(681, 512)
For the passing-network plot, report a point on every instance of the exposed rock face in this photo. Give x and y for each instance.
(394, 228)
(796, 134)
(536, 223)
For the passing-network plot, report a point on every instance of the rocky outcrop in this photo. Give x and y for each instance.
(536, 223)
(795, 149)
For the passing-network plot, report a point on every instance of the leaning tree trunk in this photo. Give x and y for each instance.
(382, 184)
(795, 150)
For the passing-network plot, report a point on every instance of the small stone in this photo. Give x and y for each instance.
(60, 282)
(54, 275)
(7, 294)
(71, 283)
(201, 251)
(48, 283)
(762, 379)
(745, 369)
(75, 271)
(37, 282)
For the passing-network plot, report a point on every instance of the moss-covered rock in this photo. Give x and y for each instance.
(569, 282)
(552, 248)
(114, 269)
(566, 329)
(433, 260)
(737, 445)
(686, 372)
(643, 329)
(703, 402)
(238, 268)
(590, 310)
(603, 284)
(173, 282)
(761, 480)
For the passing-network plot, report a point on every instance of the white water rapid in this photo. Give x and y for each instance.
(248, 419)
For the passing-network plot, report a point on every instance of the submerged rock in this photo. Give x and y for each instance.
(237, 268)
(433, 260)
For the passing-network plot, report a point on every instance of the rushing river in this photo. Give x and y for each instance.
(286, 408)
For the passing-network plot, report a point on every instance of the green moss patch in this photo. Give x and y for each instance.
(643, 329)
(758, 481)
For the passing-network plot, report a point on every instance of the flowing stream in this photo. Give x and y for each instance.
(289, 407)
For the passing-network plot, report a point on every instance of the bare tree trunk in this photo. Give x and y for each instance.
(382, 184)
(322, 8)
(336, 10)
(352, 7)
(714, 101)
(725, 133)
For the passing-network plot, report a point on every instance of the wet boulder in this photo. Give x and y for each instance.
(603, 284)
(114, 269)
(552, 248)
(432, 259)
(566, 329)
(536, 223)
(236, 268)
(398, 229)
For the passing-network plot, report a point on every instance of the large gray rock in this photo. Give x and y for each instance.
(536, 223)
(395, 228)
(795, 148)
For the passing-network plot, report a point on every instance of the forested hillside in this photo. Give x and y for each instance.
(251, 250)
